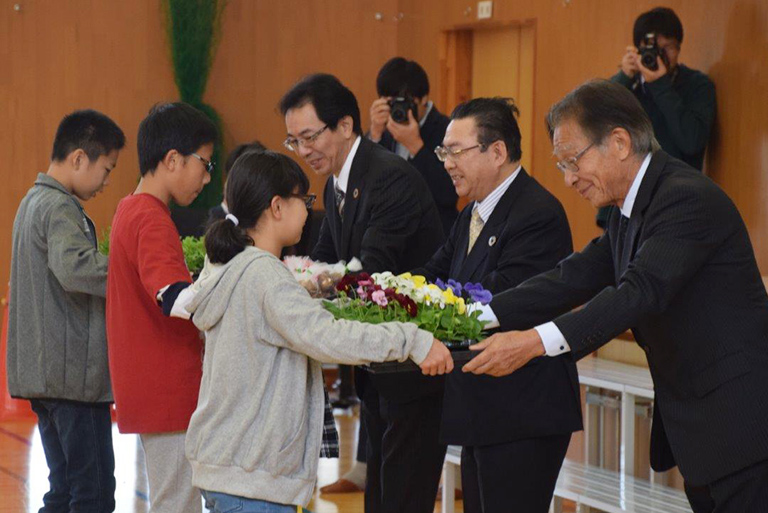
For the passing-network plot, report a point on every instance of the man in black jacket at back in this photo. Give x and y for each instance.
(378, 209)
(403, 85)
(513, 441)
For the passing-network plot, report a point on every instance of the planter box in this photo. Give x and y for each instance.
(459, 351)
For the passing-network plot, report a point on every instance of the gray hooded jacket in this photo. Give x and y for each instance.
(258, 425)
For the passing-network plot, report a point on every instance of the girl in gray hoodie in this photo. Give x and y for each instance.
(256, 434)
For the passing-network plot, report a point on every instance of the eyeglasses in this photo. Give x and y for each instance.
(444, 153)
(293, 143)
(209, 164)
(309, 199)
(569, 164)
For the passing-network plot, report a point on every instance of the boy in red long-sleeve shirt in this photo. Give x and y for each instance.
(156, 361)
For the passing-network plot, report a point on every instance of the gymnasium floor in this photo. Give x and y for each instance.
(24, 474)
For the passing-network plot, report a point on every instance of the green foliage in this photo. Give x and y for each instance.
(193, 28)
(194, 253)
(445, 324)
(104, 241)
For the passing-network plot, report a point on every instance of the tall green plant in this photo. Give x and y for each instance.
(194, 29)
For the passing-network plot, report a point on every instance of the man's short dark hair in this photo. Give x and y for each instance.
(662, 21)
(401, 77)
(88, 130)
(600, 106)
(496, 120)
(172, 126)
(331, 99)
(239, 150)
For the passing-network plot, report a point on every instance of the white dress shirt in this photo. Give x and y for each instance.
(551, 336)
(342, 180)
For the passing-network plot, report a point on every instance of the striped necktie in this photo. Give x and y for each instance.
(339, 199)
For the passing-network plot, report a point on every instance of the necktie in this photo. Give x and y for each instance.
(339, 199)
(623, 223)
(475, 227)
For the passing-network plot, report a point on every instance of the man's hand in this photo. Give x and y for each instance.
(504, 353)
(649, 75)
(407, 135)
(438, 360)
(629, 62)
(379, 118)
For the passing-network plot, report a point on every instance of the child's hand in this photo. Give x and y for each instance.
(438, 360)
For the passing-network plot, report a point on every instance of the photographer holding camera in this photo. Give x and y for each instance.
(679, 100)
(405, 121)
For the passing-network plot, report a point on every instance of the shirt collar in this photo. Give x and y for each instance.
(342, 180)
(426, 113)
(486, 207)
(629, 201)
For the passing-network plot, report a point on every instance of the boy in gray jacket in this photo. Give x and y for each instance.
(57, 347)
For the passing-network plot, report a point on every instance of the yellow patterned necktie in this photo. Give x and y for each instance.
(475, 227)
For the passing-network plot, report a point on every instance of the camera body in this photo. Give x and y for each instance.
(649, 50)
(399, 107)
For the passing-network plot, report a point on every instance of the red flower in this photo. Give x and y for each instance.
(347, 284)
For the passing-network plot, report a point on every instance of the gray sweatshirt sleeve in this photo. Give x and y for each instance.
(298, 322)
(72, 257)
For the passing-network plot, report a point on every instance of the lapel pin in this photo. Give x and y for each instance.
(356, 193)
(492, 240)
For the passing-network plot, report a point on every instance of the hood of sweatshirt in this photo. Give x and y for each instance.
(215, 288)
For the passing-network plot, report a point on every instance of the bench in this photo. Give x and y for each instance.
(594, 487)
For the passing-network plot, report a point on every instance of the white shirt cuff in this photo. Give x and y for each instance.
(553, 339)
(182, 300)
(487, 317)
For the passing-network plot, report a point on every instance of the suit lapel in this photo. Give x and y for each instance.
(643, 200)
(492, 230)
(355, 191)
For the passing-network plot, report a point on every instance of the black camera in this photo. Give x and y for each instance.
(399, 107)
(649, 50)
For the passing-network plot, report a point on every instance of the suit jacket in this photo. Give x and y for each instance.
(686, 281)
(527, 233)
(433, 171)
(391, 224)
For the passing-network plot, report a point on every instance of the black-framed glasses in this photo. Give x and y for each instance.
(209, 164)
(444, 153)
(293, 143)
(308, 199)
(569, 164)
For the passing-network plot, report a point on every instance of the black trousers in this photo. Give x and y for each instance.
(516, 477)
(77, 441)
(745, 491)
(404, 456)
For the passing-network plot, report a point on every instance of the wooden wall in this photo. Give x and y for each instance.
(112, 56)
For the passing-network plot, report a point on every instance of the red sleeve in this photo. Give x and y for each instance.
(159, 255)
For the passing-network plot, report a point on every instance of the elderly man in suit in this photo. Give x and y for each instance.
(677, 267)
(378, 209)
(514, 430)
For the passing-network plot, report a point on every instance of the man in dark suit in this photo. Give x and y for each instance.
(677, 267)
(378, 209)
(514, 441)
(405, 83)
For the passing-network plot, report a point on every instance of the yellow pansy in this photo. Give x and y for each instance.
(461, 307)
(449, 297)
(418, 281)
(405, 276)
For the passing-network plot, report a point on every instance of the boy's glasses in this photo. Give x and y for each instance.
(309, 199)
(209, 164)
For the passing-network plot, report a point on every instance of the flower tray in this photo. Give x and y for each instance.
(459, 351)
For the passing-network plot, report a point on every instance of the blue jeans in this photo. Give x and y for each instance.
(77, 440)
(223, 503)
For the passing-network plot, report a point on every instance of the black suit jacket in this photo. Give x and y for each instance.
(686, 281)
(391, 224)
(433, 171)
(527, 233)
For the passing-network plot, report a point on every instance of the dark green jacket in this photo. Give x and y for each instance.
(682, 108)
(57, 343)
